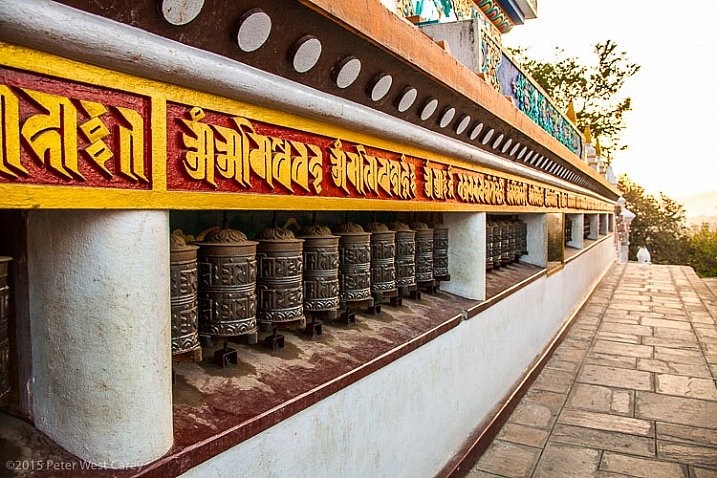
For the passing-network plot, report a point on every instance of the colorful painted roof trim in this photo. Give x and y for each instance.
(495, 14)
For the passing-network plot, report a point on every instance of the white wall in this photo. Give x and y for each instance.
(410, 417)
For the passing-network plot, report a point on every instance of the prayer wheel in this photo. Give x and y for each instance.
(354, 263)
(405, 255)
(440, 252)
(279, 282)
(383, 257)
(4, 337)
(505, 241)
(321, 269)
(227, 284)
(424, 251)
(489, 244)
(183, 292)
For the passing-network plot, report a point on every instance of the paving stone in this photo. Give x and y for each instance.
(621, 349)
(623, 402)
(671, 409)
(705, 331)
(533, 414)
(671, 342)
(615, 337)
(571, 354)
(686, 434)
(611, 360)
(640, 467)
(603, 440)
(607, 422)
(523, 435)
(590, 397)
(615, 377)
(508, 459)
(679, 334)
(702, 473)
(668, 324)
(682, 386)
(560, 460)
(674, 368)
(626, 329)
(558, 364)
(687, 454)
(679, 355)
(552, 400)
(554, 380)
(705, 318)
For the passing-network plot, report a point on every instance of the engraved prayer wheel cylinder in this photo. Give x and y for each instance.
(321, 269)
(489, 244)
(279, 282)
(497, 244)
(405, 254)
(227, 284)
(504, 242)
(424, 251)
(383, 257)
(440, 251)
(4, 337)
(183, 293)
(354, 263)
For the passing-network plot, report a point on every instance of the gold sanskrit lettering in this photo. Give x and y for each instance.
(52, 136)
(10, 134)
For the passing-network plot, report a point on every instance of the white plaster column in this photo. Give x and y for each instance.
(537, 239)
(100, 327)
(466, 254)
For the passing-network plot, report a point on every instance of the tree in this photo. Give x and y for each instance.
(703, 251)
(659, 224)
(593, 90)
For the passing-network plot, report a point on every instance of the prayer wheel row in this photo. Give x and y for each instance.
(506, 241)
(227, 286)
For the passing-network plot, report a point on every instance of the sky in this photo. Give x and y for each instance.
(673, 121)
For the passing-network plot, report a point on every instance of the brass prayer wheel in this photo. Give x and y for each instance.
(383, 257)
(405, 254)
(354, 263)
(227, 284)
(4, 338)
(440, 252)
(424, 251)
(279, 282)
(321, 269)
(183, 293)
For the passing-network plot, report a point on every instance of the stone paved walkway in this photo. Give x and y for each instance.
(630, 391)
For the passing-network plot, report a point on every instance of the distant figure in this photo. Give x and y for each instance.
(643, 255)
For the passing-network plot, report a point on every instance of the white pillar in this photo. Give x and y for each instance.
(100, 320)
(466, 254)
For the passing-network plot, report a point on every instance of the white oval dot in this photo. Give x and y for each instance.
(497, 141)
(348, 72)
(407, 98)
(476, 131)
(381, 87)
(488, 136)
(181, 12)
(515, 148)
(447, 117)
(307, 54)
(506, 145)
(463, 124)
(254, 30)
(429, 109)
